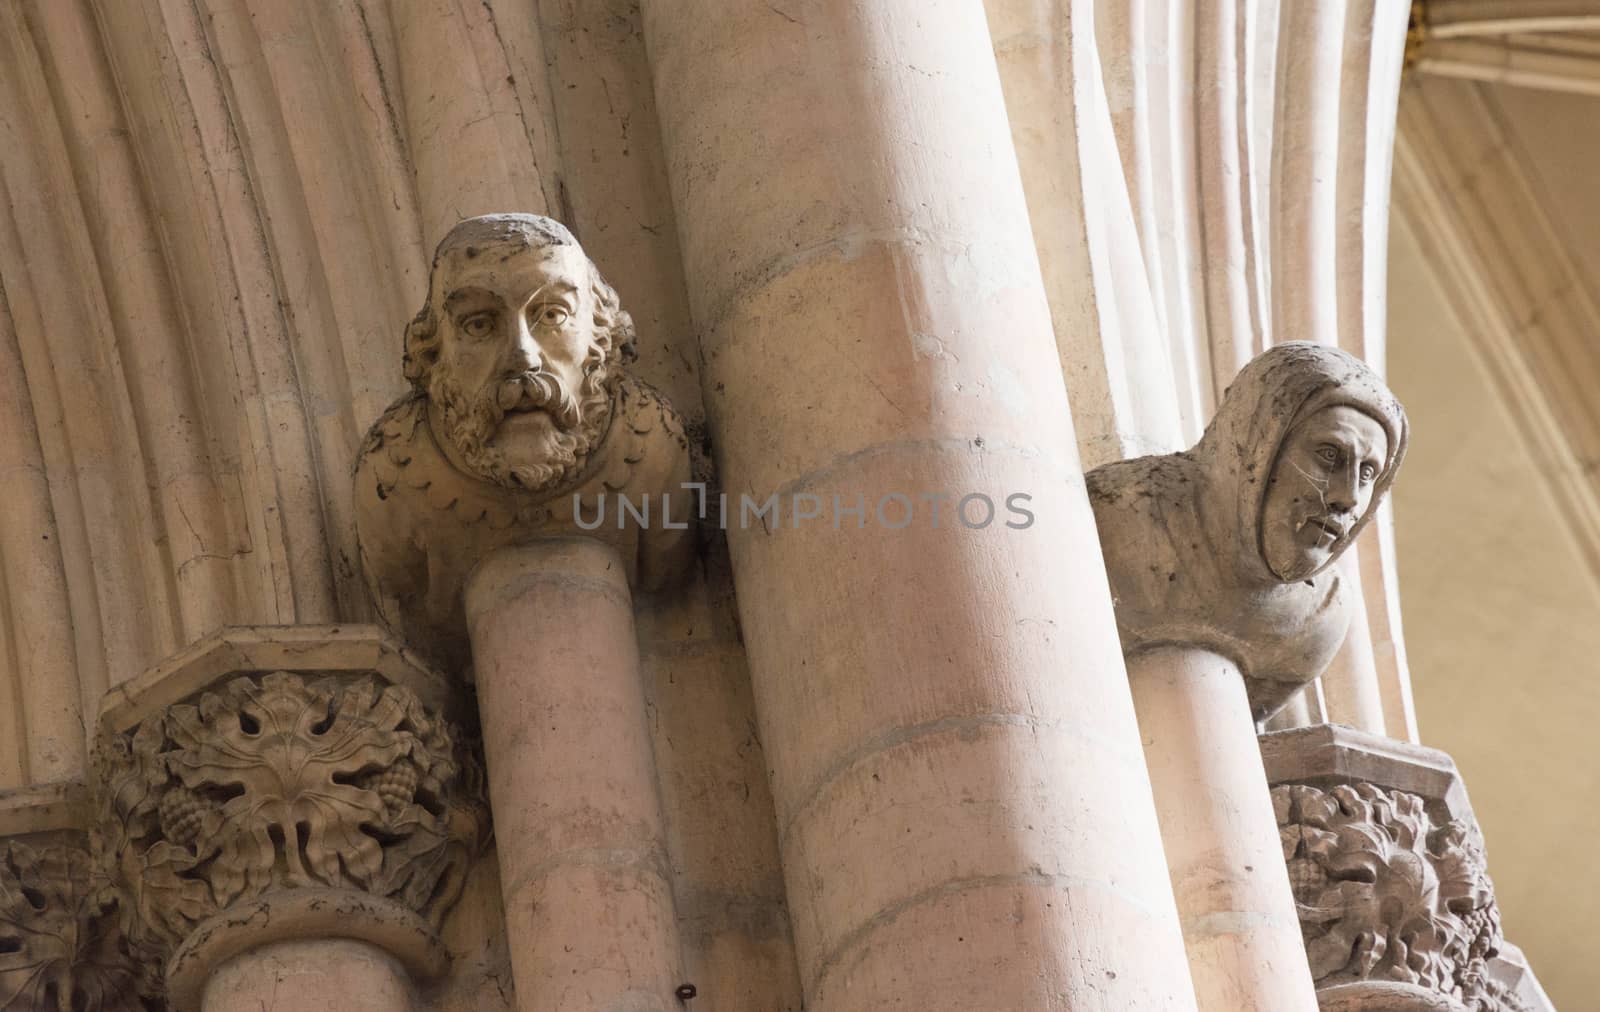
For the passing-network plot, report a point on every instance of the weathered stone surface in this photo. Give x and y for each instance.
(1228, 546)
(1389, 873)
(521, 423)
(44, 808)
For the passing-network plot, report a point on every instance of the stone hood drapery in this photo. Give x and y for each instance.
(1181, 532)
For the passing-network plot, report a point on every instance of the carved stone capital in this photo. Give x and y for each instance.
(61, 945)
(257, 784)
(1389, 874)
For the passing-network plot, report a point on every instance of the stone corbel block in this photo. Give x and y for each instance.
(273, 783)
(522, 425)
(1390, 876)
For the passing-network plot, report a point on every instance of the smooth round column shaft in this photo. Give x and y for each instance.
(964, 815)
(310, 975)
(1228, 872)
(1352, 686)
(572, 782)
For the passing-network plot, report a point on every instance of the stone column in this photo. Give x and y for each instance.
(327, 975)
(1239, 922)
(1351, 688)
(288, 836)
(963, 811)
(583, 860)
(311, 950)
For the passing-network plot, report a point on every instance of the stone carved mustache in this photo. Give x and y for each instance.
(537, 390)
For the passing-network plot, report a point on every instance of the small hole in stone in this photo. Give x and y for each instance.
(321, 726)
(248, 724)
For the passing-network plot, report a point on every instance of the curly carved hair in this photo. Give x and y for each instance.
(614, 332)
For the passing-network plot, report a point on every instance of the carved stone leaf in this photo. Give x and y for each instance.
(280, 781)
(1384, 894)
(292, 752)
(59, 944)
(165, 902)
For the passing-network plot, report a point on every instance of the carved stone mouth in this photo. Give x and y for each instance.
(525, 404)
(1329, 526)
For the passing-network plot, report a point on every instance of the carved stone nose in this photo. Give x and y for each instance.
(525, 356)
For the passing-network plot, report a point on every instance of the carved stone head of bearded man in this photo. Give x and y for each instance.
(521, 417)
(516, 351)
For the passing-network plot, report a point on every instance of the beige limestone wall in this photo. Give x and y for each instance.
(215, 218)
(1503, 627)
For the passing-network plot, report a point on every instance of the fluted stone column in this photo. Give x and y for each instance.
(964, 814)
(287, 814)
(586, 879)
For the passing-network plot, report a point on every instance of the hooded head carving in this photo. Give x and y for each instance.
(1229, 546)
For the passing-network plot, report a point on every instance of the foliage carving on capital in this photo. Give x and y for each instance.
(1229, 546)
(1387, 893)
(522, 423)
(60, 943)
(282, 781)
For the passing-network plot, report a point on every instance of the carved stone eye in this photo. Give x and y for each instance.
(478, 325)
(1328, 455)
(551, 316)
(1368, 472)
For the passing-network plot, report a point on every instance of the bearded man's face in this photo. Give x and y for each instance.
(519, 387)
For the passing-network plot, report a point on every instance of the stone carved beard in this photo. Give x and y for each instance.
(579, 419)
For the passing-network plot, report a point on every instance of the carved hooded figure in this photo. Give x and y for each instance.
(1229, 546)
